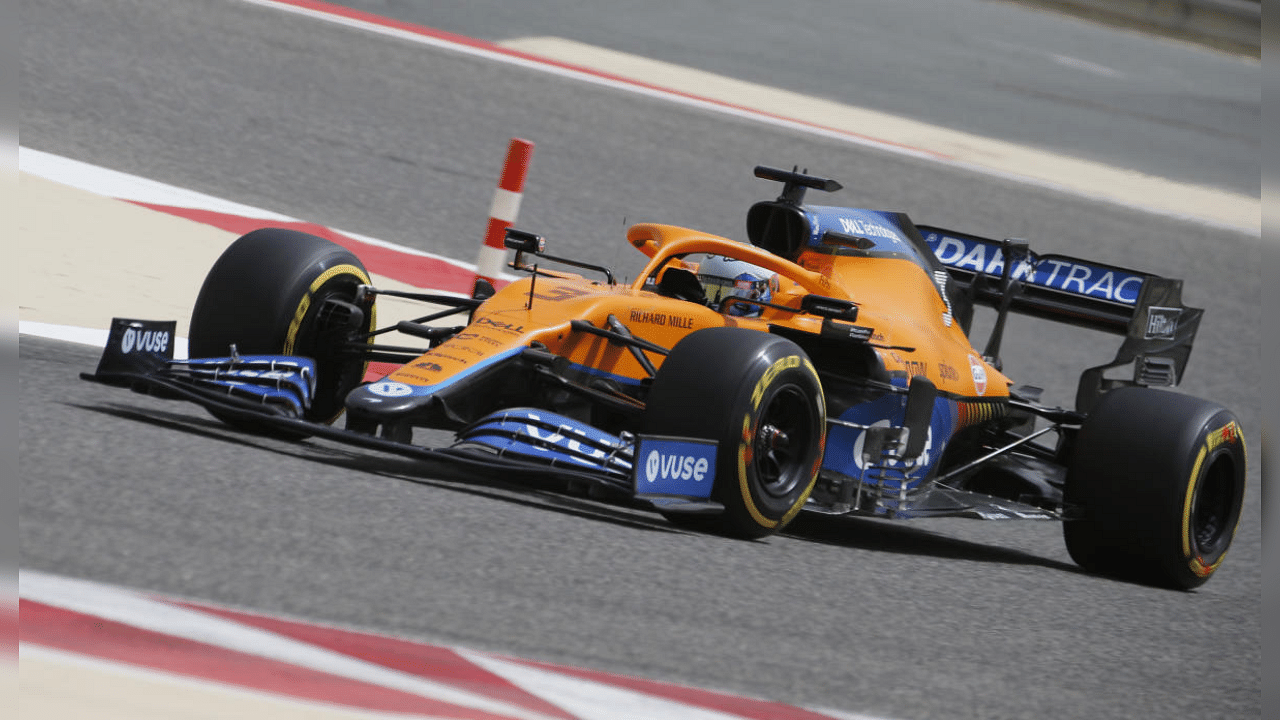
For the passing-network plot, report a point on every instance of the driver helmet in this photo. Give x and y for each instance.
(724, 277)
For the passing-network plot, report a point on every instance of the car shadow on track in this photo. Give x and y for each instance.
(860, 533)
(439, 475)
(900, 537)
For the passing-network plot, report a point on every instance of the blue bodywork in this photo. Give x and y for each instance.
(845, 444)
(282, 381)
(667, 468)
(1052, 272)
(674, 467)
(551, 439)
(883, 229)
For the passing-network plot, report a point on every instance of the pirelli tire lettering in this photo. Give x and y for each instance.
(762, 385)
(1156, 487)
(759, 397)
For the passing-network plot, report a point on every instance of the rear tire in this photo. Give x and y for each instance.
(1158, 480)
(265, 295)
(759, 397)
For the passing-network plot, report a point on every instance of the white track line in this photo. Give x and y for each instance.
(590, 700)
(633, 74)
(584, 699)
(224, 697)
(133, 188)
(135, 610)
(97, 337)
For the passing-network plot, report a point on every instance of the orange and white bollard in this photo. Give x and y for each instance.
(503, 211)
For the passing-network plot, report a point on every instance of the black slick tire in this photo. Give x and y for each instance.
(759, 397)
(266, 295)
(1157, 481)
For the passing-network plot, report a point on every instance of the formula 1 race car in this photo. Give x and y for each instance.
(825, 367)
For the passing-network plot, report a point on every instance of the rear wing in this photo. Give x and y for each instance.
(1146, 309)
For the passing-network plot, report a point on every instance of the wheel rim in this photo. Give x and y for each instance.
(781, 445)
(320, 338)
(1214, 506)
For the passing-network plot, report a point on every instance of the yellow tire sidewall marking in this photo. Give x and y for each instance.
(1229, 432)
(748, 434)
(291, 337)
(743, 487)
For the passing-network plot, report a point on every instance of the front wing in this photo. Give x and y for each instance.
(273, 393)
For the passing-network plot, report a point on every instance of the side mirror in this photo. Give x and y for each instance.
(829, 307)
(522, 241)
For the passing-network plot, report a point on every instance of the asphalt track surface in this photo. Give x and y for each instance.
(992, 68)
(926, 619)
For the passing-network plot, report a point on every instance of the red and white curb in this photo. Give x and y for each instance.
(396, 262)
(405, 264)
(74, 620)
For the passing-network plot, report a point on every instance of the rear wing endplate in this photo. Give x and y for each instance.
(1146, 309)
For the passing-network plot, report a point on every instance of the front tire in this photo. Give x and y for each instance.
(758, 396)
(267, 294)
(1158, 480)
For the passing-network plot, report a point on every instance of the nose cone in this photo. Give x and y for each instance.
(385, 398)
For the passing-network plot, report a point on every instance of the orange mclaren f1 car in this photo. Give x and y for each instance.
(825, 367)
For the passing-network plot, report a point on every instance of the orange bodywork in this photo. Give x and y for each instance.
(913, 333)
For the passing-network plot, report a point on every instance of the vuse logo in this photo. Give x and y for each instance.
(152, 341)
(662, 466)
